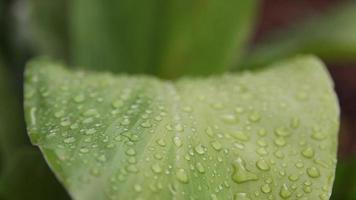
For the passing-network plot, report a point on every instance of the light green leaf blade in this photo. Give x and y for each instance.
(331, 36)
(168, 38)
(255, 135)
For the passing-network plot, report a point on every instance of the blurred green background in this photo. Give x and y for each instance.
(168, 39)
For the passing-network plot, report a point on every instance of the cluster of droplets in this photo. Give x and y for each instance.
(234, 150)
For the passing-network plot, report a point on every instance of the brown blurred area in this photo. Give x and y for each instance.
(275, 14)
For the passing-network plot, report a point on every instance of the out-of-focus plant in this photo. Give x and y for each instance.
(257, 134)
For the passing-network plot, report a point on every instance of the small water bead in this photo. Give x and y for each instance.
(158, 156)
(229, 118)
(279, 154)
(266, 188)
(254, 117)
(79, 98)
(280, 141)
(179, 127)
(117, 103)
(293, 178)
(213, 197)
(161, 142)
(125, 121)
(199, 149)
(241, 196)
(200, 167)
(240, 173)
(156, 168)
(282, 132)
(216, 145)
(262, 132)
(88, 120)
(177, 141)
(102, 158)
(262, 151)
(69, 140)
(294, 123)
(146, 124)
(308, 152)
(313, 172)
(131, 160)
(90, 131)
(65, 123)
(182, 176)
(318, 136)
(188, 109)
(262, 165)
(90, 112)
(209, 131)
(285, 192)
(59, 114)
(241, 136)
(137, 188)
(132, 168)
(131, 152)
(84, 150)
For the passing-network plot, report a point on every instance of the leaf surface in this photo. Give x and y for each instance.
(256, 135)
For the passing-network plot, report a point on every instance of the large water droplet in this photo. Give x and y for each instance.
(262, 165)
(200, 167)
(308, 152)
(182, 176)
(313, 172)
(240, 173)
(216, 145)
(285, 192)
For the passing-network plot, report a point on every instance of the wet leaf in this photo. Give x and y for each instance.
(255, 135)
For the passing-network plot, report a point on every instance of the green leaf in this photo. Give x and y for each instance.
(331, 36)
(255, 135)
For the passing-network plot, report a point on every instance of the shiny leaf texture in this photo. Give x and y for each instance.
(331, 36)
(255, 135)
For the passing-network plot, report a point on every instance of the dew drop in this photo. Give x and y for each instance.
(146, 124)
(131, 152)
(266, 188)
(199, 149)
(262, 165)
(308, 152)
(216, 145)
(285, 192)
(313, 172)
(69, 140)
(161, 142)
(177, 141)
(182, 176)
(156, 168)
(241, 196)
(240, 173)
(200, 167)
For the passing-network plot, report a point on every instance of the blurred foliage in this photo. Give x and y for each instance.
(345, 182)
(331, 36)
(168, 38)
